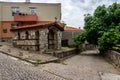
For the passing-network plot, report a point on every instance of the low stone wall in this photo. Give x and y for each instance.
(113, 57)
(84, 47)
(63, 54)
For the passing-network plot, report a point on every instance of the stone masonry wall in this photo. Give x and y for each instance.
(43, 40)
(26, 44)
(29, 40)
(113, 57)
(59, 36)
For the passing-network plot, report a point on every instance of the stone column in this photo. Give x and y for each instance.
(43, 40)
(59, 36)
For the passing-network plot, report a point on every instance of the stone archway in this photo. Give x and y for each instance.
(51, 39)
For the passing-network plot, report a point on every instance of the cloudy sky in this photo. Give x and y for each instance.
(73, 10)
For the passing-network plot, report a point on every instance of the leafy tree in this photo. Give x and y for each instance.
(102, 27)
(95, 25)
(79, 39)
(110, 38)
(99, 23)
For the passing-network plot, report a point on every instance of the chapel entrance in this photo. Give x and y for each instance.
(51, 39)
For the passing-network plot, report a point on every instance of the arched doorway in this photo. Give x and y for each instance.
(51, 39)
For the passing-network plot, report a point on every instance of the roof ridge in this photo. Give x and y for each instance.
(40, 24)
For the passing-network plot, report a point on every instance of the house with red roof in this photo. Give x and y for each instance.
(68, 33)
(20, 14)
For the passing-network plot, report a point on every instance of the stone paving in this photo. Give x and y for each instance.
(88, 65)
(13, 69)
(109, 76)
(32, 57)
(82, 67)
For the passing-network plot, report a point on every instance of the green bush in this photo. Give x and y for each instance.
(109, 39)
(79, 39)
(117, 47)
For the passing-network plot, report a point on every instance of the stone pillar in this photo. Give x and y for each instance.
(59, 36)
(43, 40)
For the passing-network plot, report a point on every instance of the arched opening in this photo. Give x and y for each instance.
(37, 34)
(51, 39)
(18, 35)
(27, 35)
(37, 40)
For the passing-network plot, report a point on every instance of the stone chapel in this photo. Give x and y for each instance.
(41, 37)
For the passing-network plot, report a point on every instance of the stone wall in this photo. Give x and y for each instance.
(59, 36)
(36, 39)
(84, 47)
(68, 35)
(43, 40)
(22, 42)
(113, 57)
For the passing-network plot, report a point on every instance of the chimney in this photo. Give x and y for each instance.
(27, 1)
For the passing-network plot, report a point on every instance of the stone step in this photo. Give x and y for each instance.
(62, 53)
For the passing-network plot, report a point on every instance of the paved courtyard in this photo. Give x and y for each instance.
(13, 69)
(86, 66)
(80, 67)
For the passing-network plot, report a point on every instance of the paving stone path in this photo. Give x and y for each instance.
(11, 69)
(85, 66)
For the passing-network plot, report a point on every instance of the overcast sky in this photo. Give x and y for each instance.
(73, 10)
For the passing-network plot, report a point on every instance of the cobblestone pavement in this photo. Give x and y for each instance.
(82, 67)
(31, 56)
(11, 69)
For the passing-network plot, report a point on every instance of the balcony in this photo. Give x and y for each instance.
(25, 17)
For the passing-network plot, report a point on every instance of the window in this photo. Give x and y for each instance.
(14, 25)
(32, 10)
(15, 10)
(4, 30)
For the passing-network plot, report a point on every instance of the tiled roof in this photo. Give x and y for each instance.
(71, 28)
(41, 24)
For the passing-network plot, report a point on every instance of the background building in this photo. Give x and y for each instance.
(68, 34)
(16, 14)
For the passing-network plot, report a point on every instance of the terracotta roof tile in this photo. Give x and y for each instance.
(40, 24)
(71, 28)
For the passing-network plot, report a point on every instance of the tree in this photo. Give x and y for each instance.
(79, 39)
(110, 38)
(101, 27)
(95, 25)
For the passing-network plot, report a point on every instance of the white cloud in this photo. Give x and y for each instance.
(73, 10)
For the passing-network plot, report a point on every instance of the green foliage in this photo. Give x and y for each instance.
(102, 28)
(109, 39)
(79, 39)
(116, 47)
